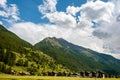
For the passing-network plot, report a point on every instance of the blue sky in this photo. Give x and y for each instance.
(88, 23)
(28, 9)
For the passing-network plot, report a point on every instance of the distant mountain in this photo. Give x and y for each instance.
(19, 57)
(77, 58)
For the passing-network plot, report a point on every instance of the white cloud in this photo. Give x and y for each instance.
(62, 19)
(97, 11)
(48, 6)
(9, 12)
(84, 23)
(110, 35)
(48, 9)
(3, 3)
(72, 10)
(109, 32)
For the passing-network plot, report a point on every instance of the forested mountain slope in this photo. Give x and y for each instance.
(78, 58)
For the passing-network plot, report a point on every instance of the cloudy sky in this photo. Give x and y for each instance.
(93, 24)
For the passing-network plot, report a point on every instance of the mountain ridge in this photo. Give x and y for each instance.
(79, 58)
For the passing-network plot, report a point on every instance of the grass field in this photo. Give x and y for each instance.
(9, 77)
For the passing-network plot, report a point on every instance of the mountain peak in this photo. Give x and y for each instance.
(50, 38)
(53, 38)
(53, 41)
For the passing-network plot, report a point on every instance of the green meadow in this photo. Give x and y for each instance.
(10, 77)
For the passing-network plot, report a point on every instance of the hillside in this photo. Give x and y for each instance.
(18, 57)
(11, 41)
(77, 58)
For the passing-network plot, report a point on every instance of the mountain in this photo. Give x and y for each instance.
(50, 55)
(19, 57)
(77, 58)
(11, 41)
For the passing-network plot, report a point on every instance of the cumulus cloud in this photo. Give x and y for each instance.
(109, 32)
(72, 10)
(97, 11)
(3, 3)
(110, 36)
(48, 6)
(62, 19)
(9, 12)
(84, 23)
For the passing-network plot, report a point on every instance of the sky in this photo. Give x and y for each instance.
(93, 24)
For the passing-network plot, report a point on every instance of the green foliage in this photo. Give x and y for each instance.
(35, 62)
(7, 56)
(22, 62)
(5, 68)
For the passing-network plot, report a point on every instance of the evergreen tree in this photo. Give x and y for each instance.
(26, 63)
